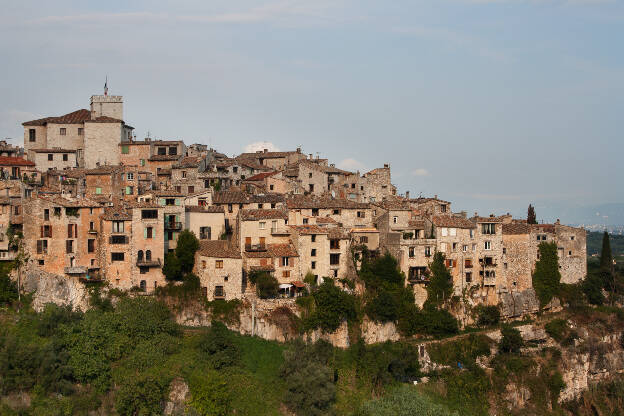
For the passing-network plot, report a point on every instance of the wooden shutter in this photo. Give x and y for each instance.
(42, 231)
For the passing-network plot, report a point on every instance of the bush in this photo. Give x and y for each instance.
(186, 247)
(440, 287)
(218, 345)
(464, 351)
(437, 322)
(488, 315)
(557, 329)
(140, 395)
(332, 306)
(8, 290)
(511, 341)
(172, 268)
(309, 381)
(592, 288)
(53, 316)
(267, 286)
(404, 401)
(383, 364)
(210, 394)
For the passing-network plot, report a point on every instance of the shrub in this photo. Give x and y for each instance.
(403, 401)
(140, 395)
(172, 268)
(437, 322)
(8, 290)
(218, 345)
(555, 384)
(546, 276)
(267, 286)
(186, 247)
(53, 316)
(488, 315)
(440, 285)
(331, 307)
(464, 351)
(592, 288)
(511, 341)
(210, 394)
(557, 328)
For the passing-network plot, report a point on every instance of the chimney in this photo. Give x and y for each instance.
(406, 194)
(333, 165)
(266, 150)
(298, 150)
(558, 222)
(435, 196)
(311, 156)
(476, 214)
(386, 166)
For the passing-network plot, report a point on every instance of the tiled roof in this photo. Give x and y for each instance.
(393, 205)
(117, 213)
(164, 158)
(218, 249)
(423, 200)
(544, 228)
(104, 119)
(325, 220)
(299, 202)
(419, 224)
(14, 161)
(75, 117)
(265, 268)
(490, 219)
(258, 254)
(54, 150)
(337, 233)
(516, 228)
(309, 229)
(364, 230)
(261, 176)
(267, 155)
(188, 162)
(266, 198)
(282, 250)
(169, 192)
(452, 221)
(210, 209)
(262, 214)
(230, 197)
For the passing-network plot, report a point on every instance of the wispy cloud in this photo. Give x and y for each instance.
(259, 146)
(420, 172)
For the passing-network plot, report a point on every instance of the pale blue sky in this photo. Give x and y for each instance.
(491, 104)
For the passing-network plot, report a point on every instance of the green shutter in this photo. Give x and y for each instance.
(177, 218)
(177, 201)
(128, 190)
(98, 190)
(162, 201)
(154, 232)
(142, 162)
(125, 150)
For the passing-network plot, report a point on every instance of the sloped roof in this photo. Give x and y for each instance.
(309, 229)
(516, 228)
(299, 201)
(452, 221)
(261, 176)
(218, 249)
(262, 214)
(282, 250)
(14, 161)
(75, 117)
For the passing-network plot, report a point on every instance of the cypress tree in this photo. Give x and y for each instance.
(531, 218)
(440, 285)
(606, 260)
(546, 277)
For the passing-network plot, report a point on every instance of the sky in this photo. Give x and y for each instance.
(490, 104)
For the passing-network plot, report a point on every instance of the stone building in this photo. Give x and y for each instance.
(16, 167)
(172, 204)
(219, 267)
(304, 209)
(373, 186)
(93, 134)
(273, 160)
(206, 222)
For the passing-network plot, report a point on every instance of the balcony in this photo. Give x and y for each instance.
(148, 263)
(487, 262)
(92, 232)
(7, 255)
(76, 270)
(255, 247)
(173, 225)
(489, 281)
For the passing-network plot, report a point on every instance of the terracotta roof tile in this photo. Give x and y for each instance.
(14, 161)
(282, 250)
(452, 221)
(516, 228)
(218, 249)
(262, 214)
(75, 117)
(261, 176)
(308, 229)
(299, 202)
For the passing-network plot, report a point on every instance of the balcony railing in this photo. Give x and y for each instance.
(173, 225)
(148, 263)
(76, 270)
(255, 247)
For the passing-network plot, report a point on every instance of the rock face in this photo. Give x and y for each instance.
(50, 288)
(517, 304)
(178, 396)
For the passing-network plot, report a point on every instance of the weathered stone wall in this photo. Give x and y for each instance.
(102, 144)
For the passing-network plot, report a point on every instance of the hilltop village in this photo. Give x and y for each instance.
(93, 203)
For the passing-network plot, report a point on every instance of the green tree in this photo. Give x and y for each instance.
(606, 258)
(511, 340)
(8, 289)
(217, 344)
(186, 248)
(210, 393)
(488, 315)
(332, 306)
(140, 395)
(546, 277)
(531, 218)
(267, 286)
(172, 268)
(440, 285)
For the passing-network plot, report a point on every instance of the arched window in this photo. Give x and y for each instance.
(148, 255)
(140, 254)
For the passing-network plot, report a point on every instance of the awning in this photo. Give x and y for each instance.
(298, 284)
(285, 286)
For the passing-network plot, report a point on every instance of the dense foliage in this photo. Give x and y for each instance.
(511, 340)
(488, 315)
(180, 262)
(404, 401)
(331, 306)
(546, 277)
(440, 285)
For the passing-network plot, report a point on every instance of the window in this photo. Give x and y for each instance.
(46, 214)
(471, 233)
(63, 131)
(42, 246)
(203, 264)
(118, 226)
(334, 259)
(311, 187)
(65, 157)
(395, 219)
(148, 232)
(444, 231)
(305, 221)
(205, 233)
(184, 174)
(487, 245)
(411, 252)
(504, 265)
(218, 264)
(191, 189)
(72, 230)
(361, 214)
(572, 237)
(313, 265)
(130, 176)
(452, 232)
(465, 248)
(271, 187)
(363, 239)
(442, 208)
(50, 156)
(285, 261)
(454, 246)
(468, 277)
(148, 255)
(117, 256)
(90, 245)
(569, 253)
(488, 229)
(129, 190)
(125, 150)
(262, 225)
(427, 251)
(286, 273)
(32, 135)
(142, 162)
(468, 263)
(150, 214)
(173, 151)
(170, 201)
(98, 190)
(313, 238)
(235, 169)
(80, 131)
(443, 247)
(46, 231)
(313, 252)
(334, 244)
(118, 239)
(230, 208)
(69, 246)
